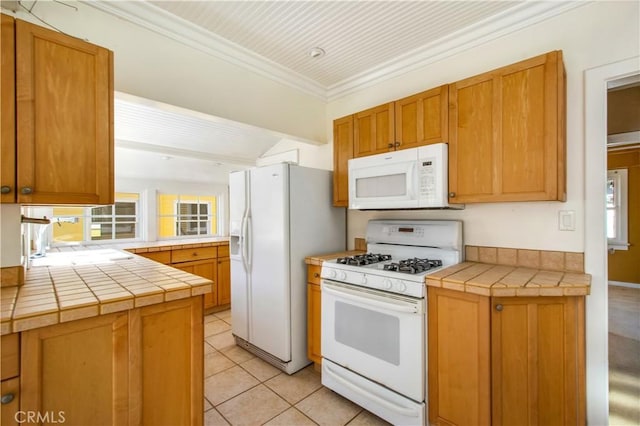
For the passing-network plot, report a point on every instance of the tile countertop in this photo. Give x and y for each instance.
(90, 283)
(318, 259)
(150, 246)
(488, 279)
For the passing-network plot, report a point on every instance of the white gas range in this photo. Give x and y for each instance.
(374, 316)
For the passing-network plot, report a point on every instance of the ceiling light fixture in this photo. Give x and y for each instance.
(316, 52)
(166, 157)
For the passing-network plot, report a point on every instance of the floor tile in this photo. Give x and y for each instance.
(289, 418)
(253, 407)
(208, 349)
(210, 317)
(213, 418)
(207, 405)
(215, 327)
(366, 418)
(260, 369)
(222, 340)
(224, 314)
(215, 362)
(297, 386)
(237, 354)
(316, 407)
(227, 384)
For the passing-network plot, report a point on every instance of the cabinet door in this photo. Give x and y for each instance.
(207, 269)
(314, 306)
(458, 358)
(506, 131)
(64, 118)
(8, 112)
(342, 153)
(9, 415)
(78, 370)
(166, 354)
(224, 281)
(538, 355)
(374, 131)
(422, 119)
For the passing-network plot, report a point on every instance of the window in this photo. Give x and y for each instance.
(119, 221)
(617, 209)
(186, 215)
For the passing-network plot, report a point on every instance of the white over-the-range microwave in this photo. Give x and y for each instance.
(415, 178)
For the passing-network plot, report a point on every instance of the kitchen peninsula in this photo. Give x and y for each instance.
(100, 336)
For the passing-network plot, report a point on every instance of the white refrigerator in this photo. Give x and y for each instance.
(279, 214)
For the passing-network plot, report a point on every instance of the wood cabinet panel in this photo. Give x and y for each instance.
(189, 254)
(422, 119)
(537, 360)
(224, 281)
(158, 256)
(458, 358)
(10, 356)
(374, 130)
(507, 133)
(314, 336)
(78, 368)
(64, 92)
(207, 269)
(166, 353)
(342, 153)
(8, 112)
(9, 410)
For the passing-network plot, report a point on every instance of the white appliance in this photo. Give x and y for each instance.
(407, 179)
(279, 214)
(374, 316)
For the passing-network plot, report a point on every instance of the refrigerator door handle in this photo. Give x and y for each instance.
(244, 241)
(248, 242)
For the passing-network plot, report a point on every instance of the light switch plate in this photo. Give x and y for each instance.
(567, 220)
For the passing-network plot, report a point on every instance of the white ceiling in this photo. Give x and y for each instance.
(365, 42)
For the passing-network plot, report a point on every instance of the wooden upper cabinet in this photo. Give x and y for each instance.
(64, 93)
(422, 119)
(374, 130)
(507, 133)
(342, 153)
(8, 112)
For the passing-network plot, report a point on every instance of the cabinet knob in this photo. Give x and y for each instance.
(26, 190)
(499, 307)
(5, 189)
(397, 144)
(452, 194)
(390, 145)
(7, 398)
(316, 275)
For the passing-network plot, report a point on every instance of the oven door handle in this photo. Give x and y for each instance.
(364, 300)
(408, 412)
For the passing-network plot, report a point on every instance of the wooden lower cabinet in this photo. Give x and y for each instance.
(314, 305)
(10, 390)
(224, 281)
(505, 361)
(207, 269)
(143, 366)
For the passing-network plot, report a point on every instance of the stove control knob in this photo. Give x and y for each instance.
(331, 273)
(364, 279)
(402, 287)
(387, 284)
(343, 275)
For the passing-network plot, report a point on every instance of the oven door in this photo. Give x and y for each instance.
(378, 335)
(384, 181)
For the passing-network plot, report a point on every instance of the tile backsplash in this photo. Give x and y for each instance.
(535, 259)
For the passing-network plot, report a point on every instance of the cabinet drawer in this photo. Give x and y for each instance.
(188, 254)
(223, 251)
(313, 274)
(158, 256)
(10, 364)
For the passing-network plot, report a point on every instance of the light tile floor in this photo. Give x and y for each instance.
(241, 389)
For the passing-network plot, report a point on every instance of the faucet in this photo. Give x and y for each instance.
(43, 224)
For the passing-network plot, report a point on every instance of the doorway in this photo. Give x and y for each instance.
(623, 235)
(597, 330)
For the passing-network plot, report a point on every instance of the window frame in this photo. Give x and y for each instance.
(213, 231)
(198, 220)
(620, 209)
(90, 222)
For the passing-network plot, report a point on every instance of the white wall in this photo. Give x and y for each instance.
(594, 34)
(10, 235)
(153, 66)
(315, 156)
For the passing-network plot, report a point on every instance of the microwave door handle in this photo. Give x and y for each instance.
(408, 412)
(371, 302)
(412, 181)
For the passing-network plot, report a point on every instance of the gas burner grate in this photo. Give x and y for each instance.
(413, 266)
(363, 259)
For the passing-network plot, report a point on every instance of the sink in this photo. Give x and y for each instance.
(81, 257)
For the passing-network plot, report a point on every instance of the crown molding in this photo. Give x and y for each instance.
(155, 19)
(159, 21)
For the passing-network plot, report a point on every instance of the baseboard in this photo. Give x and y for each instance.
(623, 284)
